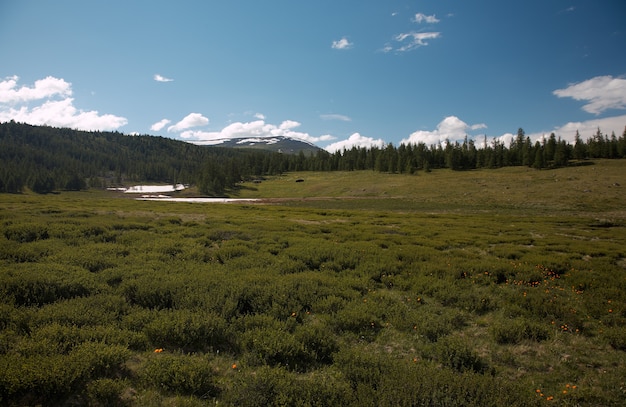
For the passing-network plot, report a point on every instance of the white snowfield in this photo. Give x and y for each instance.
(195, 200)
(153, 189)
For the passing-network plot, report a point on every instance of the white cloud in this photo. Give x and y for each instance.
(586, 129)
(602, 93)
(15, 104)
(62, 113)
(342, 44)
(259, 116)
(254, 129)
(44, 88)
(355, 140)
(413, 40)
(332, 116)
(160, 78)
(189, 121)
(451, 128)
(160, 124)
(420, 18)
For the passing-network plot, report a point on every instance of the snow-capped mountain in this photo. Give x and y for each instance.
(279, 144)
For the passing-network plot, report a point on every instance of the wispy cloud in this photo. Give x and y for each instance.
(333, 116)
(602, 93)
(160, 124)
(423, 18)
(189, 121)
(342, 44)
(414, 40)
(48, 102)
(355, 140)
(160, 78)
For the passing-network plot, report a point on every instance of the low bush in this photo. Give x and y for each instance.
(513, 331)
(179, 374)
(26, 232)
(456, 354)
(107, 392)
(37, 284)
(263, 346)
(187, 330)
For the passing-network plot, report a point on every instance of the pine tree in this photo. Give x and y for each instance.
(538, 162)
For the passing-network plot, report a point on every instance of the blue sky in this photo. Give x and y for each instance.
(335, 73)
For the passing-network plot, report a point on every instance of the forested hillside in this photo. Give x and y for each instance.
(45, 159)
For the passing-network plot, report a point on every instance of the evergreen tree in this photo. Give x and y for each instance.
(538, 162)
(580, 151)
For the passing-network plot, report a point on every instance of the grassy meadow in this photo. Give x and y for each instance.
(479, 288)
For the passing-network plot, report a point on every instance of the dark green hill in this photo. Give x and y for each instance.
(45, 159)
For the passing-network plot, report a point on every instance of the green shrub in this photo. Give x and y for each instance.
(98, 359)
(16, 252)
(358, 317)
(179, 374)
(82, 311)
(150, 292)
(616, 337)
(433, 324)
(26, 232)
(268, 346)
(458, 355)
(512, 331)
(107, 392)
(318, 344)
(39, 284)
(263, 388)
(187, 330)
(47, 379)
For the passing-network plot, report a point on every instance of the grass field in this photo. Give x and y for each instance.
(589, 189)
(491, 287)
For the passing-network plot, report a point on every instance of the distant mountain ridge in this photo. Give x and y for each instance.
(279, 144)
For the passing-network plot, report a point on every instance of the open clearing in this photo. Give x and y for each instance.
(491, 287)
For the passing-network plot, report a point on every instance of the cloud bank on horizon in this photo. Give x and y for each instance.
(49, 102)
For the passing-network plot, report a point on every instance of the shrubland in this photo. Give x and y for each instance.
(486, 287)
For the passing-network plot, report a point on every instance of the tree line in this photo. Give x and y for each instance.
(549, 152)
(44, 159)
